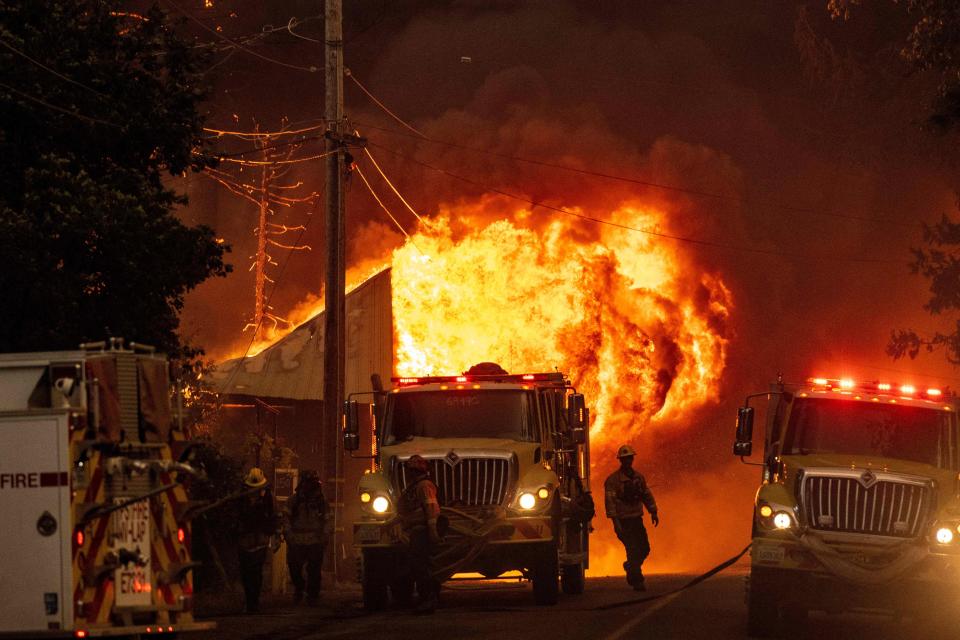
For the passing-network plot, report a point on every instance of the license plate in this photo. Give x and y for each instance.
(367, 533)
(767, 553)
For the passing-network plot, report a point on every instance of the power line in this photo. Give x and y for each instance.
(48, 69)
(390, 184)
(262, 134)
(599, 174)
(54, 107)
(382, 106)
(385, 209)
(658, 234)
(645, 183)
(192, 18)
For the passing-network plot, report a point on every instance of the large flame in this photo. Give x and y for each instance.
(641, 334)
(640, 330)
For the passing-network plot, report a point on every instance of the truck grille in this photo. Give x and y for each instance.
(848, 505)
(467, 482)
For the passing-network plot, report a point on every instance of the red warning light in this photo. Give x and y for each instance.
(884, 386)
(80, 633)
(934, 392)
(529, 376)
(461, 378)
(908, 389)
(181, 535)
(79, 537)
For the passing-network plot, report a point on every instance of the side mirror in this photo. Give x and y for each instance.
(743, 446)
(351, 425)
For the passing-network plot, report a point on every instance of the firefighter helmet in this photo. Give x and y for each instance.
(309, 480)
(255, 478)
(417, 463)
(625, 451)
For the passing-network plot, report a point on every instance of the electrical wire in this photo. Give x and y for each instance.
(390, 184)
(382, 106)
(262, 134)
(658, 234)
(599, 174)
(261, 163)
(49, 70)
(385, 209)
(54, 107)
(192, 18)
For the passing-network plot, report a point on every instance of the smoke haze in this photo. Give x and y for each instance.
(793, 141)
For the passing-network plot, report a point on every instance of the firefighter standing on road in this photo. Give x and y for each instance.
(419, 509)
(306, 535)
(626, 493)
(256, 523)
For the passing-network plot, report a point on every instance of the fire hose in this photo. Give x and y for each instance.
(692, 583)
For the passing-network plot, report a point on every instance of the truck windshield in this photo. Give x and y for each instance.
(871, 429)
(505, 414)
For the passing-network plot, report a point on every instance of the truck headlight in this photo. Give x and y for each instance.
(782, 520)
(944, 535)
(527, 501)
(380, 504)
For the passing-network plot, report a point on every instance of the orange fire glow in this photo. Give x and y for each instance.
(637, 331)
(639, 328)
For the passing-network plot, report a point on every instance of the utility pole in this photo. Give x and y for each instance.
(334, 341)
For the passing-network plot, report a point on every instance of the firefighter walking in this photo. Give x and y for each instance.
(419, 509)
(306, 536)
(626, 493)
(256, 524)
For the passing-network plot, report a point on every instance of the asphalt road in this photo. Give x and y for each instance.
(713, 609)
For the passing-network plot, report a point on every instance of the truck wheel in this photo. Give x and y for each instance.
(762, 606)
(546, 582)
(572, 579)
(373, 581)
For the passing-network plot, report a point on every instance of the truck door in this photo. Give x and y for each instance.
(35, 537)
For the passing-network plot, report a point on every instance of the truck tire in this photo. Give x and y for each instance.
(572, 579)
(763, 606)
(545, 576)
(373, 580)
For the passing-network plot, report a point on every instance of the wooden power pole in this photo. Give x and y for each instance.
(334, 342)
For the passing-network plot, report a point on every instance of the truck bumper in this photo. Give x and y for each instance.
(794, 572)
(490, 547)
(496, 532)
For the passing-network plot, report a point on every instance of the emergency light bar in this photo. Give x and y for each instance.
(517, 378)
(879, 388)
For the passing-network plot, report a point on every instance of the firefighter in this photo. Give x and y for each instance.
(419, 509)
(256, 524)
(626, 494)
(306, 535)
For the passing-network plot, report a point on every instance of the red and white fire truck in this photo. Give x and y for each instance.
(95, 540)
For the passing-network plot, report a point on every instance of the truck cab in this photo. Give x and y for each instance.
(859, 501)
(510, 457)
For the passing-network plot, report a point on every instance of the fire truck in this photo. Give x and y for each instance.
(95, 540)
(859, 502)
(510, 456)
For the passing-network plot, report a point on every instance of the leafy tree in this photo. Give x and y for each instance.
(933, 44)
(97, 106)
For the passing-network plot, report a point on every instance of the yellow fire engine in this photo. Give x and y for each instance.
(95, 540)
(510, 457)
(859, 506)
